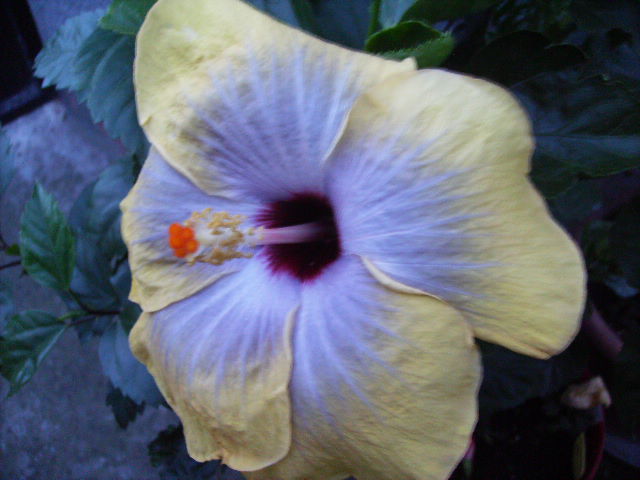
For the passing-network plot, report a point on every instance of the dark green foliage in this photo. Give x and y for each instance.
(283, 10)
(598, 15)
(346, 23)
(626, 383)
(305, 17)
(576, 204)
(124, 409)
(102, 279)
(111, 65)
(588, 126)
(126, 16)
(47, 243)
(89, 54)
(392, 11)
(429, 46)
(522, 55)
(625, 242)
(123, 369)
(27, 339)
(168, 453)
(7, 162)
(510, 378)
(104, 209)
(90, 61)
(549, 17)
(91, 278)
(533, 441)
(56, 63)
(436, 10)
(6, 303)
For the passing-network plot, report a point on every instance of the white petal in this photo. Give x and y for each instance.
(222, 359)
(429, 184)
(384, 384)
(160, 197)
(241, 103)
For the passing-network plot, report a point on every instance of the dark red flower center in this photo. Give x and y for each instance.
(306, 260)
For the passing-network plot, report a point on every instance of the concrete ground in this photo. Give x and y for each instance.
(59, 427)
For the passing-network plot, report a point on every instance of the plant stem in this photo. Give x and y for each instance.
(606, 341)
(71, 314)
(15, 263)
(89, 310)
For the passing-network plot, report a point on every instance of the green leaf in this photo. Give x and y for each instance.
(168, 453)
(7, 162)
(104, 214)
(6, 303)
(28, 338)
(626, 382)
(98, 66)
(47, 244)
(392, 11)
(583, 125)
(126, 16)
(13, 250)
(596, 250)
(509, 379)
(130, 313)
(625, 242)
(614, 37)
(595, 15)
(91, 278)
(80, 212)
(123, 369)
(346, 23)
(124, 409)
(550, 176)
(429, 46)
(574, 206)
(117, 109)
(305, 16)
(521, 55)
(435, 10)
(280, 9)
(620, 286)
(549, 17)
(89, 56)
(96, 211)
(55, 64)
(102, 279)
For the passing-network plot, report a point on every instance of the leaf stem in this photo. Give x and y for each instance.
(71, 314)
(15, 263)
(89, 310)
(605, 340)
(88, 318)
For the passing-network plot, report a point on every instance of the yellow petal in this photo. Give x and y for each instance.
(160, 197)
(384, 384)
(222, 359)
(429, 184)
(237, 101)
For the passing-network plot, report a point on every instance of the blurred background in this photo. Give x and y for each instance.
(58, 426)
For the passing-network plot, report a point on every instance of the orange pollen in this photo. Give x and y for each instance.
(182, 240)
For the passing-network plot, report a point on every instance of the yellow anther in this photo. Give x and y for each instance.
(216, 237)
(220, 237)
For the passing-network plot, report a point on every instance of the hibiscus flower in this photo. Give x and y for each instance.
(315, 240)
